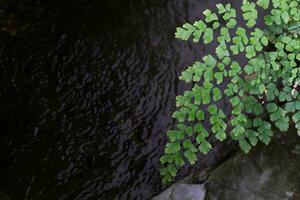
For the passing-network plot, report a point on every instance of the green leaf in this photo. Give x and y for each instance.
(263, 3)
(180, 116)
(247, 6)
(164, 171)
(242, 118)
(166, 159)
(290, 107)
(252, 136)
(265, 138)
(249, 13)
(276, 3)
(275, 65)
(241, 31)
(237, 110)
(208, 74)
(221, 114)
(283, 124)
(265, 132)
(189, 131)
(244, 145)
(166, 179)
(248, 69)
(222, 51)
(297, 126)
(276, 115)
(286, 17)
(258, 47)
(207, 85)
(172, 148)
(200, 115)
(226, 61)
(214, 119)
(250, 52)
(271, 107)
(181, 100)
(197, 98)
(225, 33)
(197, 34)
(221, 135)
(191, 115)
(210, 61)
(297, 104)
(205, 147)
(175, 135)
(231, 23)
(208, 35)
(210, 16)
(268, 20)
(234, 49)
(273, 55)
(212, 109)
(187, 144)
(181, 127)
(189, 27)
(264, 41)
(257, 122)
(283, 96)
(235, 67)
(216, 25)
(238, 131)
(286, 39)
(191, 156)
(198, 128)
(219, 77)
(251, 23)
(186, 76)
(296, 117)
(182, 33)
(235, 101)
(178, 160)
(200, 25)
(230, 13)
(217, 95)
(205, 96)
(221, 8)
(200, 137)
(258, 109)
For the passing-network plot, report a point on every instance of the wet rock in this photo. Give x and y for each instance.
(197, 177)
(182, 191)
(267, 173)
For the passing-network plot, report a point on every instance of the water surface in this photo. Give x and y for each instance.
(87, 91)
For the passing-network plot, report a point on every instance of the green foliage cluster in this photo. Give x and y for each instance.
(268, 83)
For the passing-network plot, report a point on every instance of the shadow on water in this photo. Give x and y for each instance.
(87, 91)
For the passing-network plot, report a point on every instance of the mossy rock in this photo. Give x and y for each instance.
(270, 172)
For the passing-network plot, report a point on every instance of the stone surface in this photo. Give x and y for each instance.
(182, 191)
(268, 173)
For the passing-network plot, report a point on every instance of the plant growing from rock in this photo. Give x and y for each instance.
(268, 83)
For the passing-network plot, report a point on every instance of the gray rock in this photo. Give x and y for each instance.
(182, 191)
(267, 173)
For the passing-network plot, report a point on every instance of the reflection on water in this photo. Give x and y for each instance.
(87, 91)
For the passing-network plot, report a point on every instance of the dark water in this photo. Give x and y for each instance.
(87, 89)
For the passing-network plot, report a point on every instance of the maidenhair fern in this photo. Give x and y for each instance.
(267, 83)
